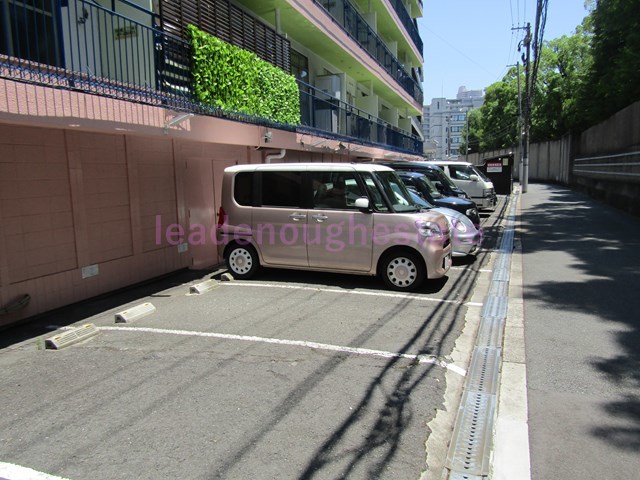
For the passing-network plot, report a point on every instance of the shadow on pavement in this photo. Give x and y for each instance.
(36, 326)
(604, 244)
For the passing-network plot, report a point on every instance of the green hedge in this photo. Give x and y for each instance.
(236, 80)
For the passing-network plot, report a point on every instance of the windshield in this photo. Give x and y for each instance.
(418, 200)
(480, 173)
(427, 185)
(444, 179)
(396, 192)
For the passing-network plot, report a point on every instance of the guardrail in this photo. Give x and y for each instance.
(620, 166)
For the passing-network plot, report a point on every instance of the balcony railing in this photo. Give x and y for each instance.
(324, 113)
(82, 46)
(357, 27)
(409, 23)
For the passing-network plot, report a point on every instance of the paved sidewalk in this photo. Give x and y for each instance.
(580, 263)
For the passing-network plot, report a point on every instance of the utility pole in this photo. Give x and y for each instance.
(520, 122)
(524, 181)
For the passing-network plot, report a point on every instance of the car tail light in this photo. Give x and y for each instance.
(222, 216)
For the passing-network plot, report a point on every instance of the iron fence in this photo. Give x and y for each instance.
(120, 52)
(357, 27)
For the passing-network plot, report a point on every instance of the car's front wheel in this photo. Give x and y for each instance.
(242, 261)
(402, 271)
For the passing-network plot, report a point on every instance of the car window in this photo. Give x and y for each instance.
(281, 189)
(377, 202)
(243, 188)
(461, 172)
(335, 190)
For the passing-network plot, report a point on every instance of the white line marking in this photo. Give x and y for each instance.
(346, 292)
(481, 270)
(296, 343)
(10, 471)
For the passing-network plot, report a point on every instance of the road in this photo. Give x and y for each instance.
(291, 375)
(582, 329)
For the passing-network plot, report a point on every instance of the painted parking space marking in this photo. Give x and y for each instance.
(430, 359)
(345, 292)
(481, 270)
(10, 471)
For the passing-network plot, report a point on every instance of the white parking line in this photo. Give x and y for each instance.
(296, 343)
(346, 292)
(10, 471)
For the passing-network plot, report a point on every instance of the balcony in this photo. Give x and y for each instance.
(322, 113)
(82, 46)
(408, 23)
(345, 15)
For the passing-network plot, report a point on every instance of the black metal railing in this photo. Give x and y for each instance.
(324, 113)
(80, 45)
(408, 23)
(345, 15)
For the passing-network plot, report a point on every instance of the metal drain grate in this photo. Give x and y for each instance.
(469, 455)
(490, 333)
(484, 370)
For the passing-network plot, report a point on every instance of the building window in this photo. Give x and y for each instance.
(28, 31)
(299, 66)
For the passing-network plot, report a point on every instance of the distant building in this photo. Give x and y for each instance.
(444, 120)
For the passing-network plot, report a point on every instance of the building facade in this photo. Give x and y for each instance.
(110, 166)
(444, 123)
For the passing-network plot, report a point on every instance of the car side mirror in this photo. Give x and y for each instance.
(473, 178)
(362, 204)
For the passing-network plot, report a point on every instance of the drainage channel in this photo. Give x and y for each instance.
(469, 455)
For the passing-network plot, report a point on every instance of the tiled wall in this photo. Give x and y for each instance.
(72, 199)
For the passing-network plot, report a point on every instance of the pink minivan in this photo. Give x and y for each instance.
(332, 217)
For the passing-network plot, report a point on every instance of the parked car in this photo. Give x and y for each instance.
(465, 237)
(427, 190)
(437, 176)
(331, 217)
(469, 178)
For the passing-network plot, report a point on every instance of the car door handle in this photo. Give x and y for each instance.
(296, 217)
(319, 217)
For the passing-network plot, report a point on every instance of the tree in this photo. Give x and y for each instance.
(612, 81)
(496, 124)
(471, 132)
(561, 78)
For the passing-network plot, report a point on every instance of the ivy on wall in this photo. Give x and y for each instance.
(236, 80)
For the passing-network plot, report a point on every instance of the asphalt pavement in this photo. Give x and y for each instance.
(580, 274)
(334, 377)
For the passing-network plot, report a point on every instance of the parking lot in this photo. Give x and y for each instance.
(290, 375)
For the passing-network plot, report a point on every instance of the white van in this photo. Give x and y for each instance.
(470, 179)
(332, 217)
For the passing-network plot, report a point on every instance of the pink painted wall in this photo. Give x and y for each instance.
(85, 179)
(71, 199)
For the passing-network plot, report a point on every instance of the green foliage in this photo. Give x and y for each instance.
(236, 80)
(582, 79)
(564, 66)
(495, 124)
(472, 131)
(613, 76)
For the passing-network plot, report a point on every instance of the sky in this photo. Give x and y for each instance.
(471, 42)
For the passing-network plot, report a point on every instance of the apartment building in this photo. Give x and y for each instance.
(111, 156)
(444, 123)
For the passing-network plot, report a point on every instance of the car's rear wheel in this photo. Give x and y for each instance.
(242, 261)
(402, 271)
